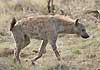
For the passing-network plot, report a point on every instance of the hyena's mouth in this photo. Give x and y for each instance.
(85, 36)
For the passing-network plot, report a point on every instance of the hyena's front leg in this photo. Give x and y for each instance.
(52, 41)
(42, 50)
(54, 47)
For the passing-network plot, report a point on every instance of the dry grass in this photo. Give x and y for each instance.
(76, 53)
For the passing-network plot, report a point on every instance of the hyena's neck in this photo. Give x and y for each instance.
(69, 29)
(66, 26)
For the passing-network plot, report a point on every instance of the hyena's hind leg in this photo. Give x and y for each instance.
(16, 55)
(22, 41)
(42, 50)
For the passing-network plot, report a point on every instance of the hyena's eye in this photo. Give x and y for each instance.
(83, 30)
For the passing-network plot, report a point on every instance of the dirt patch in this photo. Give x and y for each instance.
(6, 52)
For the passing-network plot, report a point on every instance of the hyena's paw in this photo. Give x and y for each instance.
(17, 61)
(33, 62)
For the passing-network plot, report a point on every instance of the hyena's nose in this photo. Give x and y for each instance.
(87, 36)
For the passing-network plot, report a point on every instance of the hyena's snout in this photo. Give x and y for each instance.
(85, 35)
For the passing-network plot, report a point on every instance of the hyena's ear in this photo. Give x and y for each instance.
(76, 22)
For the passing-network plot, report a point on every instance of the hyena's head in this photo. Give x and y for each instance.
(80, 29)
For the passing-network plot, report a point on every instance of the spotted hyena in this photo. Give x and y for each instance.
(46, 28)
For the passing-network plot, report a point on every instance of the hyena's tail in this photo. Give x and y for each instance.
(12, 23)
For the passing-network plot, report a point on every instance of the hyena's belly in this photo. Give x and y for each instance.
(35, 36)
